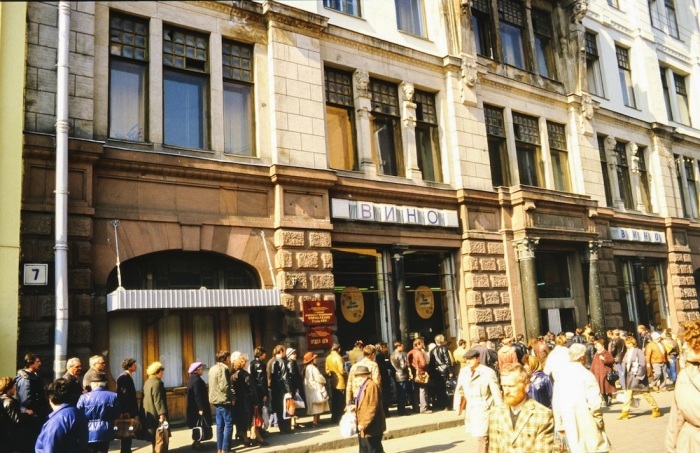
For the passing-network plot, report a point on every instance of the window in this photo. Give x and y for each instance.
(625, 72)
(623, 175)
(679, 179)
(552, 271)
(340, 120)
(170, 349)
(542, 28)
(427, 137)
(481, 22)
(512, 25)
(128, 65)
(185, 88)
(644, 179)
(682, 99)
(692, 188)
(560, 157)
(654, 14)
(527, 146)
(409, 16)
(667, 93)
(614, 3)
(593, 70)
(498, 154)
(672, 20)
(237, 68)
(604, 170)
(344, 6)
(386, 128)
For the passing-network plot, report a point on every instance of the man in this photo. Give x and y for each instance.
(258, 375)
(33, 402)
(590, 350)
(520, 347)
(403, 383)
(617, 350)
(101, 408)
(369, 353)
(522, 424)
(371, 422)
(569, 339)
(440, 365)
(655, 354)
(335, 369)
(418, 367)
(458, 355)
(73, 369)
(577, 405)
(644, 337)
(382, 360)
(672, 351)
(355, 355)
(126, 395)
(281, 388)
(221, 396)
(66, 430)
(97, 365)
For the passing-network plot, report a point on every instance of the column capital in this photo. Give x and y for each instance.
(525, 248)
(594, 248)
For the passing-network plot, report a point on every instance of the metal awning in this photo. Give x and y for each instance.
(155, 299)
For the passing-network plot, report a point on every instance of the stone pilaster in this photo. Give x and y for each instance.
(525, 253)
(595, 304)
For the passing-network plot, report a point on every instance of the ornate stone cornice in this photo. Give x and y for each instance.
(555, 99)
(294, 19)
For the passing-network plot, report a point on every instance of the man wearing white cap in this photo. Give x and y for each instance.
(655, 353)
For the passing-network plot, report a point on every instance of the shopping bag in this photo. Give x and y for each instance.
(348, 424)
(299, 402)
(257, 418)
(126, 428)
(202, 430)
(162, 439)
(289, 407)
(422, 378)
(320, 394)
(265, 417)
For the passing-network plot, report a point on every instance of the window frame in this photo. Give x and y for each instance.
(625, 73)
(482, 26)
(559, 154)
(682, 98)
(341, 101)
(497, 145)
(542, 35)
(680, 178)
(429, 160)
(623, 175)
(385, 114)
(513, 30)
(689, 170)
(672, 19)
(242, 77)
(594, 70)
(644, 181)
(343, 6)
(417, 19)
(528, 149)
(607, 185)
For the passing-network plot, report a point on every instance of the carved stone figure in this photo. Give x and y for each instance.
(587, 106)
(408, 89)
(580, 10)
(469, 73)
(361, 82)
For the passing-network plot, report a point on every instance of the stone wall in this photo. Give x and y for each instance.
(683, 287)
(608, 287)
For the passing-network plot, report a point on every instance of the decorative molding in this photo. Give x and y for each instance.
(558, 101)
(469, 70)
(362, 83)
(634, 164)
(407, 89)
(525, 248)
(621, 28)
(580, 10)
(673, 53)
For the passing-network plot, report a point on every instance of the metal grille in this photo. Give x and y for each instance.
(623, 57)
(621, 150)
(338, 87)
(541, 23)
(425, 107)
(481, 5)
(591, 46)
(237, 61)
(184, 49)
(128, 37)
(557, 136)
(494, 121)
(526, 129)
(511, 11)
(679, 81)
(385, 98)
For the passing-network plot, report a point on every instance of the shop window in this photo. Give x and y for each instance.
(203, 340)
(625, 73)
(682, 99)
(427, 137)
(128, 66)
(125, 340)
(542, 28)
(644, 183)
(340, 120)
(667, 93)
(553, 277)
(185, 87)
(170, 350)
(512, 30)
(672, 20)
(604, 170)
(481, 23)
(689, 165)
(351, 7)
(409, 16)
(594, 72)
(387, 152)
(498, 153)
(237, 71)
(527, 146)
(559, 155)
(679, 179)
(623, 175)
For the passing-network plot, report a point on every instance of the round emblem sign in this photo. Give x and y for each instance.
(425, 302)
(352, 304)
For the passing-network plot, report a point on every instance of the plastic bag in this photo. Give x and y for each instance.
(265, 417)
(299, 402)
(348, 424)
(289, 407)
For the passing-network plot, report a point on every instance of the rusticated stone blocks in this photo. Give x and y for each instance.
(80, 226)
(36, 334)
(285, 238)
(320, 239)
(283, 259)
(326, 260)
(494, 331)
(307, 260)
(322, 281)
(501, 314)
(40, 225)
(476, 247)
(474, 298)
(491, 298)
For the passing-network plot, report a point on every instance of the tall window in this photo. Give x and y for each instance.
(672, 20)
(340, 119)
(692, 188)
(185, 88)
(593, 69)
(344, 6)
(625, 72)
(481, 22)
(128, 63)
(560, 156)
(409, 16)
(654, 14)
(512, 28)
(679, 179)
(237, 60)
(542, 28)
(604, 170)
(667, 93)
(427, 137)
(498, 154)
(527, 146)
(623, 175)
(614, 3)
(682, 99)
(644, 179)
(386, 128)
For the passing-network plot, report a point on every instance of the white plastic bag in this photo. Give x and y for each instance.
(348, 424)
(299, 402)
(265, 417)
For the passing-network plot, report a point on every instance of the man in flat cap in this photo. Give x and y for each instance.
(101, 407)
(371, 422)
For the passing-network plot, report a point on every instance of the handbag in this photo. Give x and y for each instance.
(612, 377)
(422, 378)
(162, 439)
(299, 402)
(348, 424)
(202, 430)
(289, 407)
(320, 394)
(126, 428)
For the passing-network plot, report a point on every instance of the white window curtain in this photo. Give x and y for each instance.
(203, 333)
(170, 348)
(125, 341)
(554, 318)
(127, 101)
(241, 335)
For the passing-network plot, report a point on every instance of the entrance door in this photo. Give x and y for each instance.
(642, 294)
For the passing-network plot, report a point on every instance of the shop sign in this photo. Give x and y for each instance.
(319, 338)
(389, 213)
(318, 312)
(636, 235)
(352, 304)
(425, 302)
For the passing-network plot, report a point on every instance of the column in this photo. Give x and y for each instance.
(595, 302)
(363, 106)
(634, 176)
(400, 292)
(525, 252)
(408, 132)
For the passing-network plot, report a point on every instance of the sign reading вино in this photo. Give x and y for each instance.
(390, 213)
(636, 235)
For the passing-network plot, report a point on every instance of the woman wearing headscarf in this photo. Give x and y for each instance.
(314, 388)
(197, 399)
(154, 403)
(246, 398)
(540, 384)
(682, 434)
(636, 380)
(601, 365)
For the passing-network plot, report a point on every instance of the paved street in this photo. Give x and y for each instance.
(438, 433)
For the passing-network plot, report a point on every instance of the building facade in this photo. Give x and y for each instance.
(247, 173)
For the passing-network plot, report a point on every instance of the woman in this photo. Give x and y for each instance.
(154, 404)
(197, 399)
(9, 420)
(507, 353)
(314, 388)
(636, 380)
(540, 384)
(682, 434)
(601, 365)
(246, 399)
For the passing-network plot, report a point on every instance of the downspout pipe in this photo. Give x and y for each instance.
(61, 228)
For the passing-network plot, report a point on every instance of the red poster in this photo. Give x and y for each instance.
(318, 312)
(318, 338)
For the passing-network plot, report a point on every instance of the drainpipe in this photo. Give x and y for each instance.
(61, 248)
